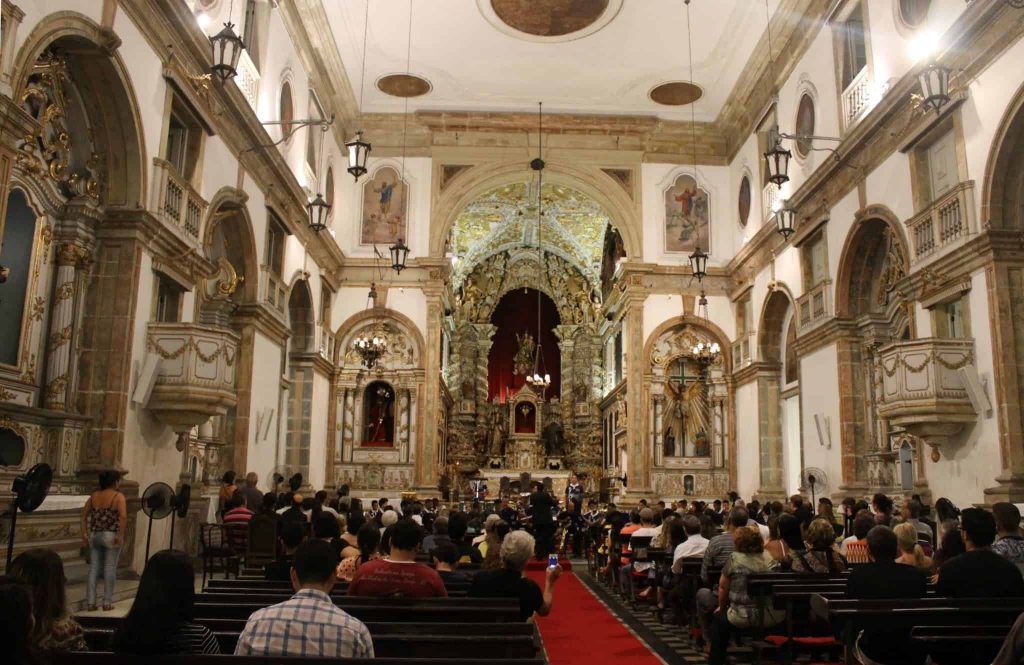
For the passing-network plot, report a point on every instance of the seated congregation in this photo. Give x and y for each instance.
(779, 583)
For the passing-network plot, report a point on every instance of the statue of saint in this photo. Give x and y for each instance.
(686, 417)
(554, 439)
(496, 432)
(525, 356)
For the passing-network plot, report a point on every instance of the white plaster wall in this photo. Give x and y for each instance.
(791, 443)
(659, 308)
(318, 432)
(973, 461)
(819, 392)
(748, 458)
(655, 179)
(266, 379)
(348, 301)
(411, 302)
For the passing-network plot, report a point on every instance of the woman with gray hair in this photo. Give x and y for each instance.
(510, 582)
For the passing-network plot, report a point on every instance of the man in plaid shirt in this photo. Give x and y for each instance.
(309, 623)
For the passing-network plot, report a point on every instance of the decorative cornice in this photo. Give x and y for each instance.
(752, 371)
(263, 319)
(825, 334)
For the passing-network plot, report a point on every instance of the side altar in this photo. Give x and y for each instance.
(522, 435)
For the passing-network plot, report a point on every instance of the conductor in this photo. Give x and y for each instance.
(541, 507)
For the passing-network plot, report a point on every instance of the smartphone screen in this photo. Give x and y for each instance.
(552, 561)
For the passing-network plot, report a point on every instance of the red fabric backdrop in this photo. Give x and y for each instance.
(516, 313)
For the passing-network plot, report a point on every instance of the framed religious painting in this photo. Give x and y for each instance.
(384, 217)
(687, 216)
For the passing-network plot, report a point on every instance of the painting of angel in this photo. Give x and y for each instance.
(385, 205)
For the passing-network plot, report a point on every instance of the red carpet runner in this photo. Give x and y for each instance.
(582, 630)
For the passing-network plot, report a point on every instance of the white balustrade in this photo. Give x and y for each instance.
(856, 98)
(770, 197)
(248, 79)
(174, 200)
(944, 225)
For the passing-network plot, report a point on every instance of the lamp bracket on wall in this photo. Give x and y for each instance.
(323, 123)
(775, 137)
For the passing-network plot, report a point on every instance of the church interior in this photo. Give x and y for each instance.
(644, 253)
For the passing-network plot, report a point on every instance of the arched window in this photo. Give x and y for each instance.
(16, 256)
(914, 12)
(286, 110)
(379, 415)
(804, 124)
(743, 201)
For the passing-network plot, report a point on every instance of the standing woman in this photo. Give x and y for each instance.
(228, 487)
(104, 520)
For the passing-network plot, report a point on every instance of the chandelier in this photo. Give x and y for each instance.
(370, 346)
(540, 378)
(705, 353)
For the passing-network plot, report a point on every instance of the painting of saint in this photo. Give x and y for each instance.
(385, 206)
(687, 216)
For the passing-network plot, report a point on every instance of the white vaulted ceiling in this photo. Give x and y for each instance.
(474, 62)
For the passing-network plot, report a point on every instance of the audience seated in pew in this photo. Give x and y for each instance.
(369, 544)
(292, 535)
(350, 539)
(855, 547)
(910, 551)
(446, 562)
(491, 548)
(439, 535)
(235, 510)
(1012, 651)
(398, 574)
(16, 623)
(979, 572)
(160, 619)
(694, 545)
(821, 555)
(458, 524)
(718, 551)
(309, 623)
(327, 529)
(951, 545)
(1010, 543)
(510, 581)
(735, 606)
(42, 571)
(884, 578)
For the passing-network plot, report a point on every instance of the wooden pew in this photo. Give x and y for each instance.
(964, 645)
(459, 610)
(88, 658)
(271, 597)
(423, 645)
(847, 616)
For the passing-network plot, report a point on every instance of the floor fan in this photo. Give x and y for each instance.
(180, 503)
(816, 481)
(29, 492)
(159, 501)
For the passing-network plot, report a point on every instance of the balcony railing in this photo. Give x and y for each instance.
(248, 79)
(770, 197)
(815, 306)
(944, 225)
(923, 389)
(741, 350)
(195, 373)
(174, 200)
(326, 346)
(274, 291)
(856, 98)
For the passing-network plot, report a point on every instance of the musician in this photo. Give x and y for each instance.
(541, 506)
(508, 513)
(479, 487)
(574, 493)
(572, 527)
(592, 522)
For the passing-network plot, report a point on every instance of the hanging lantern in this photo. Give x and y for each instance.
(699, 264)
(399, 253)
(776, 163)
(934, 80)
(358, 151)
(785, 221)
(225, 48)
(318, 210)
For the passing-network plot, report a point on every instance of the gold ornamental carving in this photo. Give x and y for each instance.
(64, 291)
(49, 150)
(59, 338)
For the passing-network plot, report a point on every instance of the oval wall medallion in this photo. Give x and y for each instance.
(403, 85)
(675, 93)
(549, 20)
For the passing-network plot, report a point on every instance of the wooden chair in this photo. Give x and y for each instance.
(214, 547)
(261, 540)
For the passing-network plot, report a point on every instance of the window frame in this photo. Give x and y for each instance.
(160, 281)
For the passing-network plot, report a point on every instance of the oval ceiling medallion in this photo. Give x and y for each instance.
(675, 93)
(403, 85)
(549, 20)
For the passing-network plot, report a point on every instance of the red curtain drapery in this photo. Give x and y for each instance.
(516, 313)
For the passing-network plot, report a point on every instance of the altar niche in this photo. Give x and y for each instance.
(379, 415)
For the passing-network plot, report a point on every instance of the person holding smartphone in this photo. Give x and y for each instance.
(510, 582)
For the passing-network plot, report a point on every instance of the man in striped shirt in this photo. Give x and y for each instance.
(309, 623)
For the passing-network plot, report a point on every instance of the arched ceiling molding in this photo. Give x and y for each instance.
(1002, 183)
(232, 200)
(851, 256)
(770, 331)
(516, 250)
(623, 212)
(42, 193)
(121, 122)
(368, 318)
(707, 330)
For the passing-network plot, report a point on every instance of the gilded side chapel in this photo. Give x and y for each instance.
(732, 249)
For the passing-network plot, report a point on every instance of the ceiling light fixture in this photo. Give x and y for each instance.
(785, 220)
(399, 250)
(358, 149)
(372, 344)
(225, 50)
(540, 379)
(934, 80)
(705, 353)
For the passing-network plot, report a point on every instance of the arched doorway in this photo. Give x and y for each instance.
(869, 295)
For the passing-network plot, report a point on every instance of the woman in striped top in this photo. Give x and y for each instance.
(160, 620)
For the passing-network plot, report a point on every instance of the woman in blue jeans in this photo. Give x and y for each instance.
(104, 519)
